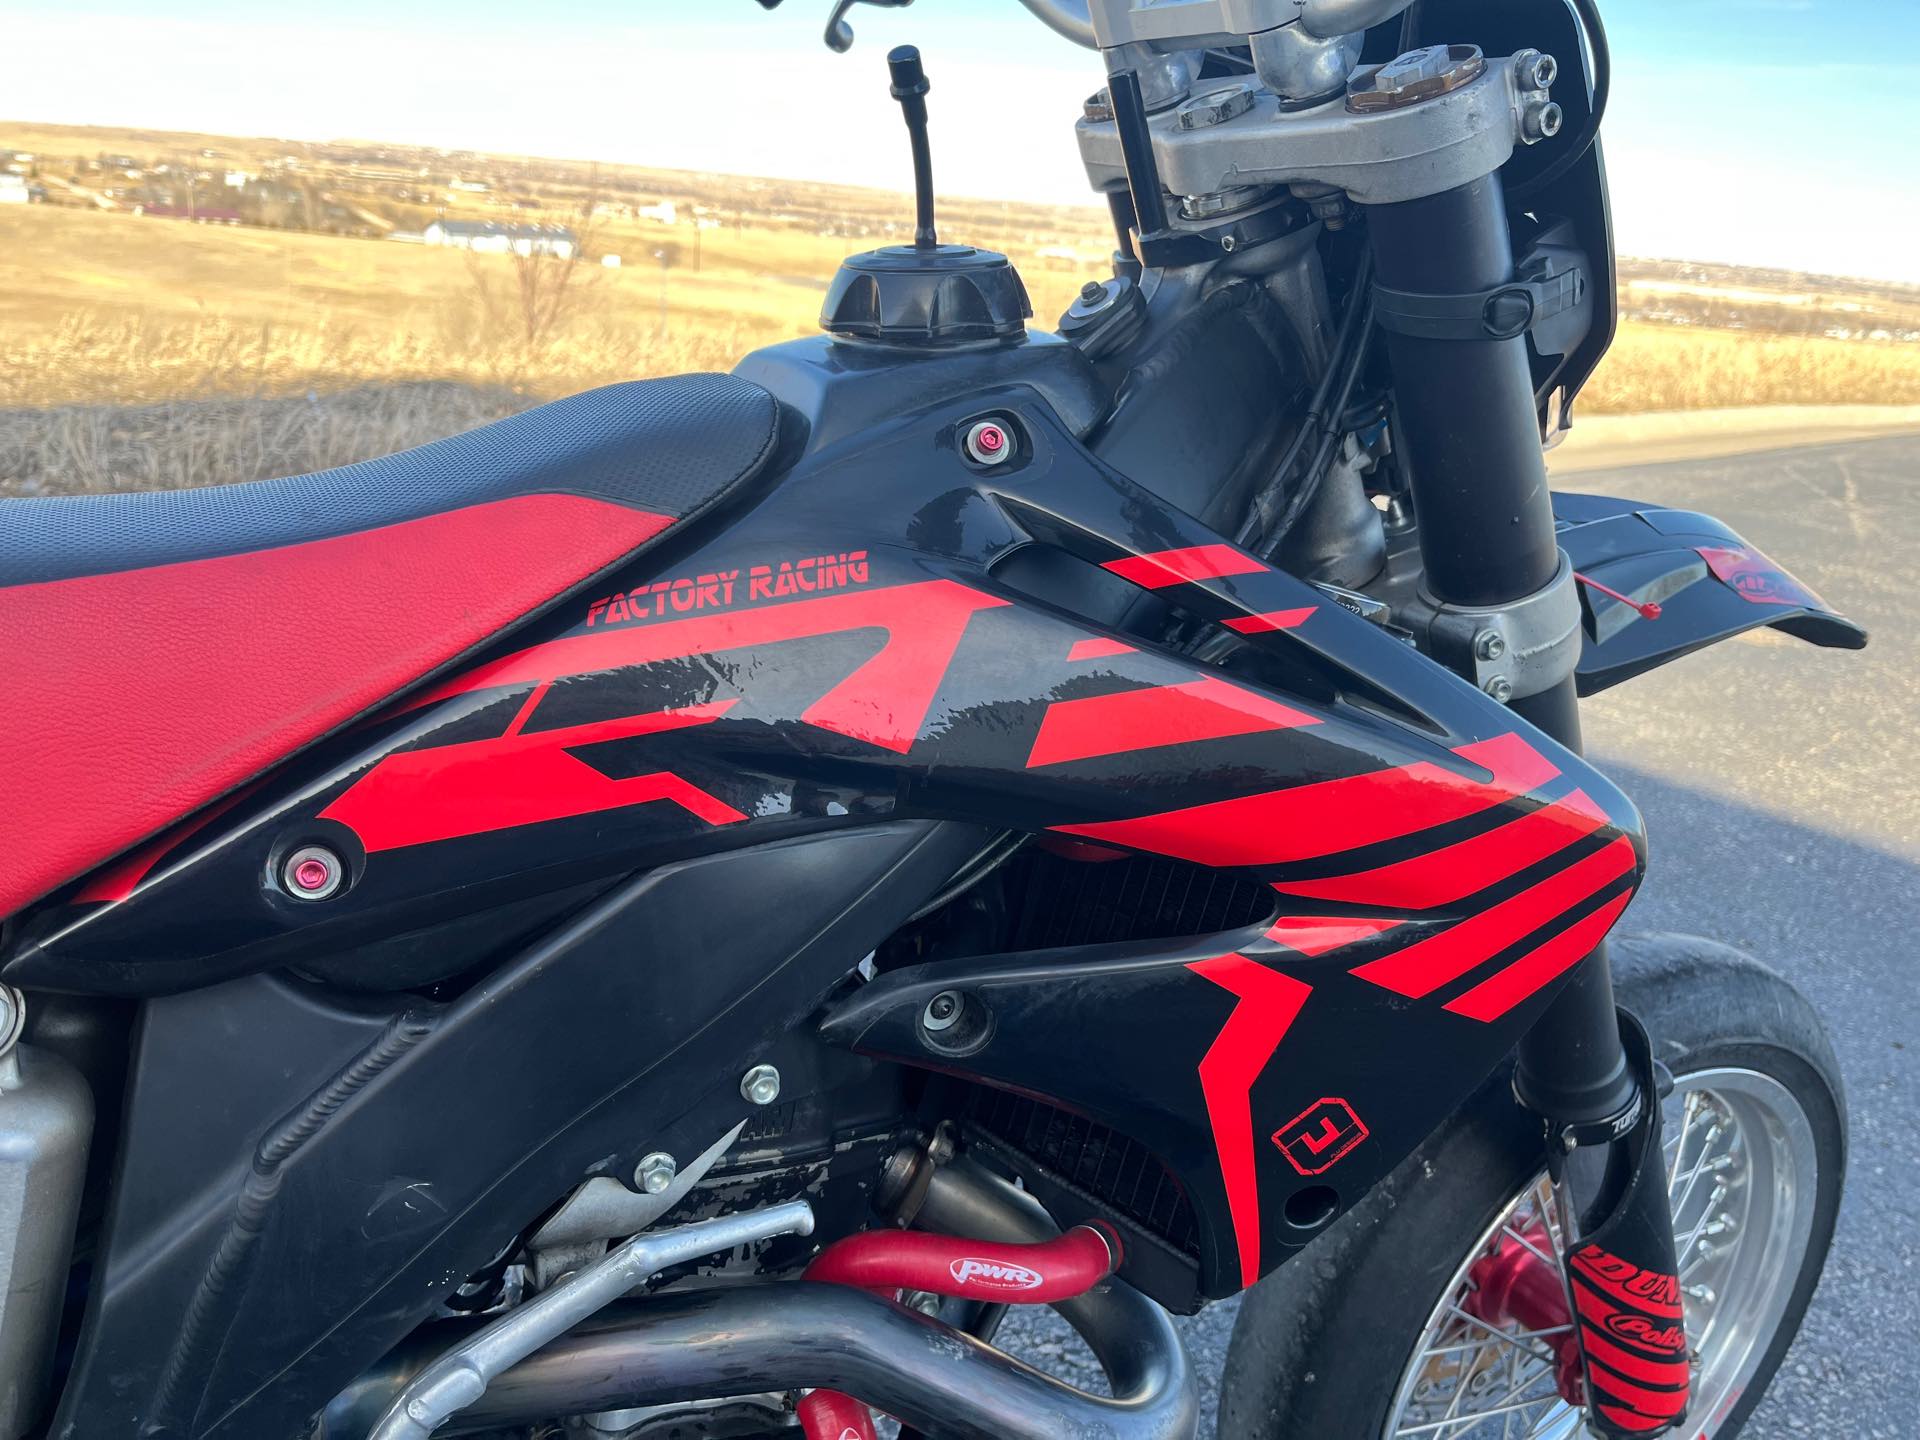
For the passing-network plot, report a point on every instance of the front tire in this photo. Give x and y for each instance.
(1359, 1338)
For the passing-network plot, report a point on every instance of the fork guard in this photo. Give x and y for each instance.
(1623, 1278)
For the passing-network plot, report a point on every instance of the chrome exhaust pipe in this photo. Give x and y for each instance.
(797, 1336)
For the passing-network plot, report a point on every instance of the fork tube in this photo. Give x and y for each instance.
(1479, 480)
(1466, 407)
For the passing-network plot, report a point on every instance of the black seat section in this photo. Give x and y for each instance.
(670, 446)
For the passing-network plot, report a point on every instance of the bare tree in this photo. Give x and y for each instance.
(549, 276)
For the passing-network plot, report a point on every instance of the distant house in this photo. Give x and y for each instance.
(13, 190)
(491, 237)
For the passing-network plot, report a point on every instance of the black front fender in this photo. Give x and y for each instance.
(1657, 584)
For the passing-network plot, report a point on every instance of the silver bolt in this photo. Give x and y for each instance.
(313, 872)
(655, 1173)
(1489, 645)
(761, 1085)
(1535, 71)
(925, 1301)
(1409, 69)
(1500, 688)
(942, 1012)
(1542, 122)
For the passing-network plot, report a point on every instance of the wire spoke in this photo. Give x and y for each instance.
(1506, 1337)
(1433, 1426)
(1532, 1248)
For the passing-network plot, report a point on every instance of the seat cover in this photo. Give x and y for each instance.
(160, 649)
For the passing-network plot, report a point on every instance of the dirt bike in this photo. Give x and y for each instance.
(673, 913)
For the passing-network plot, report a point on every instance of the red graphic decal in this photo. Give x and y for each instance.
(1272, 620)
(1439, 877)
(1757, 578)
(419, 796)
(663, 597)
(1208, 709)
(883, 701)
(1081, 850)
(1637, 1362)
(1098, 649)
(1639, 1331)
(209, 673)
(1317, 934)
(1426, 965)
(1641, 1289)
(1278, 826)
(804, 577)
(720, 589)
(1269, 1003)
(120, 879)
(1179, 567)
(1320, 1136)
(1492, 998)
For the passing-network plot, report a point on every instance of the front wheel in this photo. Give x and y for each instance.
(1372, 1332)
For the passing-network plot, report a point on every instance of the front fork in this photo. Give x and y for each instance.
(1466, 419)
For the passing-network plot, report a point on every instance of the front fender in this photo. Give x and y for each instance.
(1691, 582)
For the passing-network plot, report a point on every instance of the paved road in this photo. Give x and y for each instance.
(1781, 787)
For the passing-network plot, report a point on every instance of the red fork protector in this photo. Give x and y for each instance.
(888, 1261)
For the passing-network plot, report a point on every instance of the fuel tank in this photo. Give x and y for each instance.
(873, 655)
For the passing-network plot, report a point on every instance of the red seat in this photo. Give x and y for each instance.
(161, 649)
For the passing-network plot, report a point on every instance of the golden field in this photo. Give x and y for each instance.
(127, 339)
(103, 307)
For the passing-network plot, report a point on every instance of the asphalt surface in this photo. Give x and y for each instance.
(1781, 789)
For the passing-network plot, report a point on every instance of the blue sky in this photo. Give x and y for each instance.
(1781, 132)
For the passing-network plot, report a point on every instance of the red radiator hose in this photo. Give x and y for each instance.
(888, 1261)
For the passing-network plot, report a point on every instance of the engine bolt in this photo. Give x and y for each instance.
(987, 443)
(761, 1085)
(655, 1173)
(1500, 688)
(943, 1011)
(313, 872)
(1489, 645)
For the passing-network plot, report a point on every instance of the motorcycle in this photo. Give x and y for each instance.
(672, 913)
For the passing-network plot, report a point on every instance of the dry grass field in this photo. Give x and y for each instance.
(139, 350)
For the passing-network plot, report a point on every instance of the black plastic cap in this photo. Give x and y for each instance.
(909, 78)
(927, 295)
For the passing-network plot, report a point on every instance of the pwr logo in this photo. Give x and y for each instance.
(992, 1275)
(1319, 1136)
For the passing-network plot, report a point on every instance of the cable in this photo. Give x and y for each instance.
(1352, 336)
(1323, 456)
(1577, 146)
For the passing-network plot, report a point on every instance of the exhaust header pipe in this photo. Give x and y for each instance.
(797, 1336)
